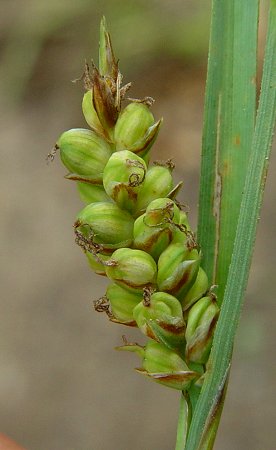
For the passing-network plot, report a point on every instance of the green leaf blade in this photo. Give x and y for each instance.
(228, 128)
(244, 242)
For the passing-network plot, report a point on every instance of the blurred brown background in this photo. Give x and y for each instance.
(62, 386)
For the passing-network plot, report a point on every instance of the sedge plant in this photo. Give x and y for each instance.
(134, 231)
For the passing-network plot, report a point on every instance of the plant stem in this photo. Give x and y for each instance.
(243, 248)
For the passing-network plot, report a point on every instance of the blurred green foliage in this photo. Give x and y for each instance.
(140, 29)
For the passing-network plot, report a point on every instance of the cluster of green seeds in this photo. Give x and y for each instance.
(133, 229)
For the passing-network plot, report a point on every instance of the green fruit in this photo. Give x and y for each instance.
(122, 304)
(201, 322)
(135, 129)
(162, 365)
(84, 153)
(132, 124)
(177, 269)
(158, 183)
(107, 225)
(132, 269)
(152, 240)
(159, 316)
(162, 211)
(90, 114)
(123, 175)
(154, 230)
(143, 145)
(197, 290)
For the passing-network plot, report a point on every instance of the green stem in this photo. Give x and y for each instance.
(244, 243)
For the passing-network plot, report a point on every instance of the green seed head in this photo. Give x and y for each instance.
(177, 269)
(157, 184)
(90, 193)
(132, 269)
(153, 261)
(159, 316)
(105, 225)
(84, 153)
(122, 304)
(123, 175)
(202, 319)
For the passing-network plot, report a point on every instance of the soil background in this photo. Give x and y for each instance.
(62, 385)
